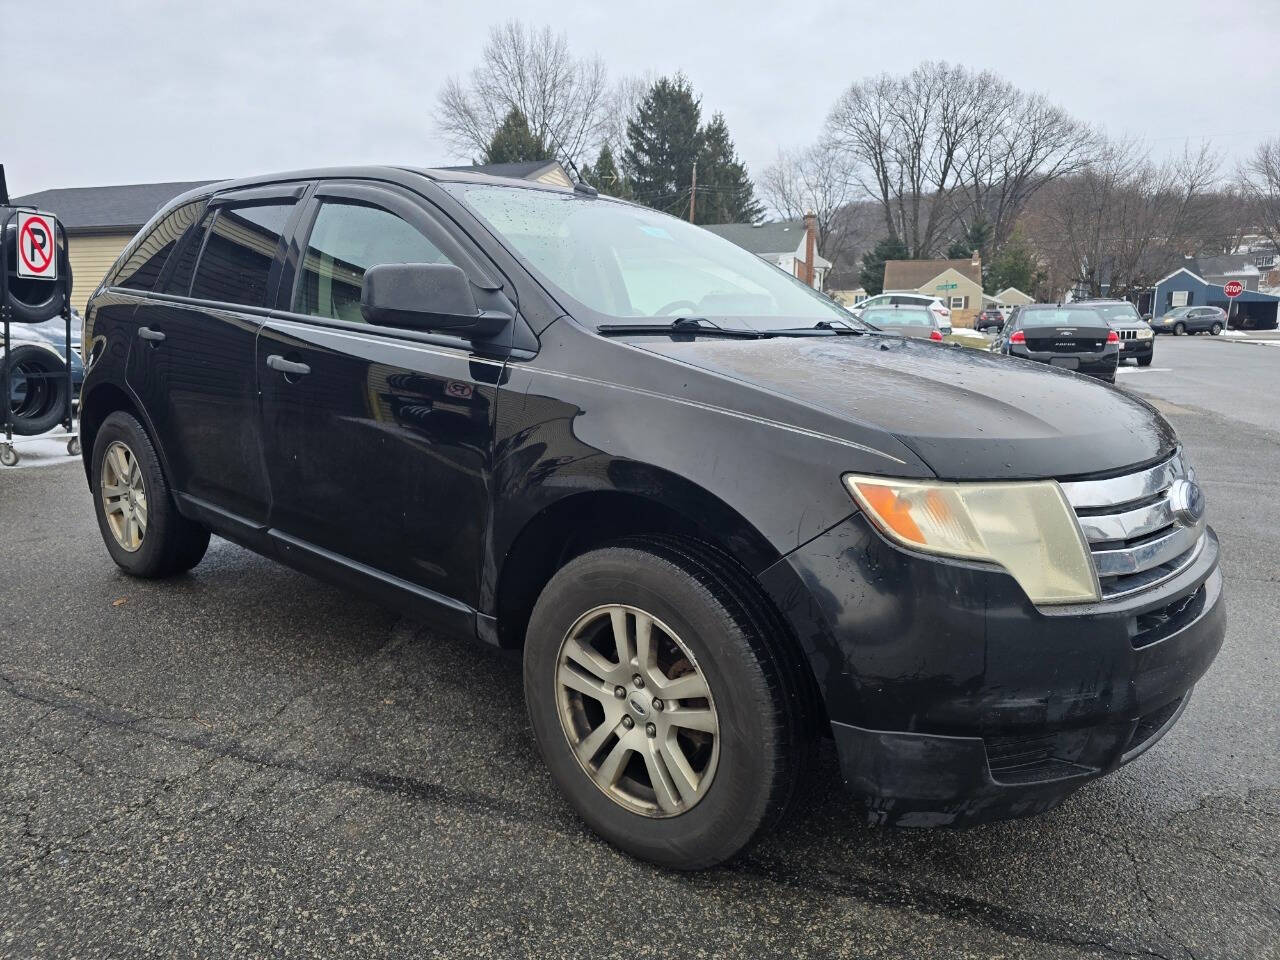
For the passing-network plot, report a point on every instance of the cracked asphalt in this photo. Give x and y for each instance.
(244, 762)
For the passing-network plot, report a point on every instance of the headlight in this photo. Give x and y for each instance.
(1145, 334)
(1028, 528)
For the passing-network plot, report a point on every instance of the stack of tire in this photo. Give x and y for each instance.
(37, 371)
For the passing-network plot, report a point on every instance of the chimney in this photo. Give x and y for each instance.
(810, 246)
(976, 259)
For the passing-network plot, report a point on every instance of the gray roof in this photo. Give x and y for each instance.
(124, 207)
(762, 239)
(1221, 265)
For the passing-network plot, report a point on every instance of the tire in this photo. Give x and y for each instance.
(1146, 361)
(35, 301)
(169, 543)
(1179, 329)
(38, 389)
(1215, 329)
(764, 700)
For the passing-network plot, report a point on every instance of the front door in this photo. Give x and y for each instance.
(200, 332)
(377, 440)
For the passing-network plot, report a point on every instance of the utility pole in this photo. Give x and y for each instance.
(693, 191)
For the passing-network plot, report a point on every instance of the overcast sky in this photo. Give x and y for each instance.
(107, 91)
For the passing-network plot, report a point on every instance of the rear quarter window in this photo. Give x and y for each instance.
(141, 268)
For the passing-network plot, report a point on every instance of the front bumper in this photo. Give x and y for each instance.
(1136, 349)
(954, 700)
(1101, 364)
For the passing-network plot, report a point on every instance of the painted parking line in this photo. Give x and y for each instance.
(1145, 370)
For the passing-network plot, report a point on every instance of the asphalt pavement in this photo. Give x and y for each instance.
(246, 762)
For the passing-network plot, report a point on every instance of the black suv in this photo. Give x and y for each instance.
(720, 517)
(1137, 339)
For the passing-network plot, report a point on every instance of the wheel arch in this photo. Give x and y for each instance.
(583, 519)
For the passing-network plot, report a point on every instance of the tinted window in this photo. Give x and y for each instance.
(179, 281)
(1060, 317)
(143, 267)
(237, 255)
(899, 317)
(347, 240)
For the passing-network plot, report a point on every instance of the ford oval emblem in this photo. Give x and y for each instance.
(639, 707)
(1187, 502)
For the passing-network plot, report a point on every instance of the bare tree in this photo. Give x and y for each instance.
(1024, 144)
(815, 180)
(563, 98)
(1259, 178)
(1126, 220)
(905, 138)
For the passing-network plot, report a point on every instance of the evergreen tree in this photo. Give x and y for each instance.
(871, 276)
(513, 142)
(604, 175)
(725, 193)
(663, 139)
(1016, 265)
(975, 237)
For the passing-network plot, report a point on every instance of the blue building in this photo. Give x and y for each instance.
(1182, 288)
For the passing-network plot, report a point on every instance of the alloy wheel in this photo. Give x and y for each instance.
(124, 496)
(637, 711)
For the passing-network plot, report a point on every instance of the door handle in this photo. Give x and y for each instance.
(277, 362)
(146, 333)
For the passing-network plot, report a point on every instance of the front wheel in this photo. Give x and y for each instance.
(660, 700)
(1179, 329)
(1145, 361)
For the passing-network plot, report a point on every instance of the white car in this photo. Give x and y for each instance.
(940, 311)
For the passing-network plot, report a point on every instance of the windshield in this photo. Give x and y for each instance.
(1060, 317)
(898, 317)
(1115, 312)
(627, 262)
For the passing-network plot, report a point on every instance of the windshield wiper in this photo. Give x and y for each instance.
(685, 325)
(821, 328)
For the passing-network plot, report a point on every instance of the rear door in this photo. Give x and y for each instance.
(378, 440)
(198, 334)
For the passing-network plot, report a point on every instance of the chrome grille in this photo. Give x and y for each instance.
(1134, 537)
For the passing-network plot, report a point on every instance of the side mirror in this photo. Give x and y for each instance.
(1146, 316)
(427, 296)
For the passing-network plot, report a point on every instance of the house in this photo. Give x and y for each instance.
(1013, 297)
(1184, 288)
(787, 244)
(849, 298)
(957, 283)
(100, 220)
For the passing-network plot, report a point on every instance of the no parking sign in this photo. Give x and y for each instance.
(37, 246)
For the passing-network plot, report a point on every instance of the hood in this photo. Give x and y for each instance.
(969, 415)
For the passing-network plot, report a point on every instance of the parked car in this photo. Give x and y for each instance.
(1066, 336)
(1182, 320)
(991, 318)
(906, 320)
(940, 310)
(1137, 339)
(720, 518)
(38, 374)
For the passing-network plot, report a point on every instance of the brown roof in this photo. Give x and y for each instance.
(914, 274)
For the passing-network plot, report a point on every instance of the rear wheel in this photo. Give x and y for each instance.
(661, 703)
(1216, 328)
(140, 524)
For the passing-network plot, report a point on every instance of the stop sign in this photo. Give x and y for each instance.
(1233, 288)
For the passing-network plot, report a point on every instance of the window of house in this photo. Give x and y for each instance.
(238, 253)
(1265, 260)
(143, 267)
(959, 303)
(346, 240)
